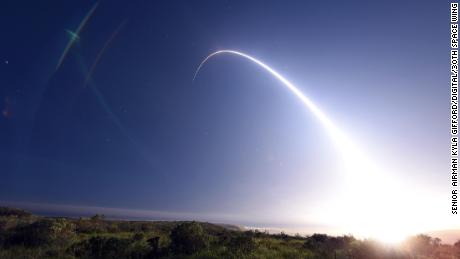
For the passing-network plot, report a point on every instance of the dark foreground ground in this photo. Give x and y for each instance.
(23, 235)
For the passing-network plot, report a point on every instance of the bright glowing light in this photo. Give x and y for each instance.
(371, 203)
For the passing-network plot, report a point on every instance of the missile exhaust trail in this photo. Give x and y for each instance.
(361, 176)
(336, 134)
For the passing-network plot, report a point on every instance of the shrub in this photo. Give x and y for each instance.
(422, 245)
(138, 236)
(243, 243)
(43, 232)
(8, 212)
(188, 238)
(102, 247)
(140, 250)
(91, 226)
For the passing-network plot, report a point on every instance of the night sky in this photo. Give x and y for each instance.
(120, 124)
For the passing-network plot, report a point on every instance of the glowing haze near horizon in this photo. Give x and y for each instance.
(369, 157)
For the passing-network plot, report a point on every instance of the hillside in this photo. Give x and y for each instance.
(23, 235)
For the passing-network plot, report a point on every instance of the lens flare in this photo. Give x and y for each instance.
(101, 52)
(74, 36)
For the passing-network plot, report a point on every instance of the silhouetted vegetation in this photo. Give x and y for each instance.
(188, 238)
(13, 212)
(23, 235)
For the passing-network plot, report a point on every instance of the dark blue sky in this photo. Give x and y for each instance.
(141, 135)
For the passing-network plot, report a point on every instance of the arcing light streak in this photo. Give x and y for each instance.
(75, 35)
(336, 134)
(360, 176)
